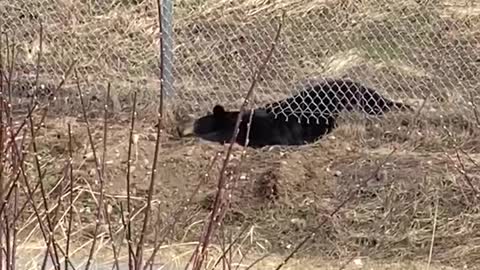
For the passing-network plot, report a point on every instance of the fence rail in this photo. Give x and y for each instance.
(408, 50)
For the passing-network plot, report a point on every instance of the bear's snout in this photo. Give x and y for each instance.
(185, 129)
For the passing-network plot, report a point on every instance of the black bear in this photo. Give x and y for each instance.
(297, 120)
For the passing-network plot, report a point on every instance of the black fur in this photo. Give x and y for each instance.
(297, 120)
(265, 129)
(330, 97)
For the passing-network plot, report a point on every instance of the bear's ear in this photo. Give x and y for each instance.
(218, 110)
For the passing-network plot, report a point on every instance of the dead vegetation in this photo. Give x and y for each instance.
(404, 188)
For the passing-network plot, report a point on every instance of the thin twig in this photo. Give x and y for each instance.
(105, 116)
(6, 197)
(11, 255)
(129, 165)
(20, 128)
(244, 255)
(30, 197)
(433, 233)
(42, 192)
(344, 265)
(349, 197)
(139, 253)
(474, 108)
(39, 59)
(8, 252)
(10, 75)
(257, 261)
(338, 208)
(229, 247)
(2, 180)
(34, 106)
(237, 177)
(110, 230)
(197, 258)
(70, 175)
(59, 86)
(124, 223)
(176, 213)
(463, 172)
(67, 74)
(51, 237)
(97, 169)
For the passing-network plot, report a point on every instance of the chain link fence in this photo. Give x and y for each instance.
(406, 50)
(112, 42)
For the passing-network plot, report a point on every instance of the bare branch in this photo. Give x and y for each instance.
(139, 253)
(129, 165)
(97, 169)
(198, 256)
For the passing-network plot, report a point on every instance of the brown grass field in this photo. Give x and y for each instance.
(413, 180)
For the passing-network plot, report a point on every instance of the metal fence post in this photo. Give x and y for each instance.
(167, 54)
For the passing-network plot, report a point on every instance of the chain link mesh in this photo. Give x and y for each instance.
(110, 41)
(406, 50)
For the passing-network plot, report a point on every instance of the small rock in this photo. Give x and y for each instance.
(307, 202)
(358, 262)
(135, 138)
(190, 151)
(337, 173)
(151, 137)
(109, 209)
(382, 175)
(300, 223)
(89, 157)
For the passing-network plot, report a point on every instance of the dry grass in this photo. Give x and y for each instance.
(403, 48)
(175, 256)
(406, 50)
(283, 193)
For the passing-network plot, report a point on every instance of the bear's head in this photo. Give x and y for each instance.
(217, 126)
